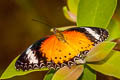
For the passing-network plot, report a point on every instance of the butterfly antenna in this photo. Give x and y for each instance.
(43, 23)
(54, 29)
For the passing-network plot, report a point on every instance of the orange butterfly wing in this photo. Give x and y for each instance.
(59, 51)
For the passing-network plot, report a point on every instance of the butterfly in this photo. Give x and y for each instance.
(62, 48)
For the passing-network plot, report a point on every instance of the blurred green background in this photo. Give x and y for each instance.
(18, 30)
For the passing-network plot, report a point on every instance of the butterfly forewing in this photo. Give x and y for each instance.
(93, 33)
(31, 57)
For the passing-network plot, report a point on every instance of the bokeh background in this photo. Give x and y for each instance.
(18, 30)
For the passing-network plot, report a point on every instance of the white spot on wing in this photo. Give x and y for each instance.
(93, 33)
(31, 56)
(28, 49)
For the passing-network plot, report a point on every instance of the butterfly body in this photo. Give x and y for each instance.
(61, 49)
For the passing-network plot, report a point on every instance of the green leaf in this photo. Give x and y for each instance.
(88, 74)
(97, 13)
(110, 67)
(100, 51)
(11, 71)
(114, 30)
(49, 75)
(72, 5)
(70, 16)
(67, 73)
